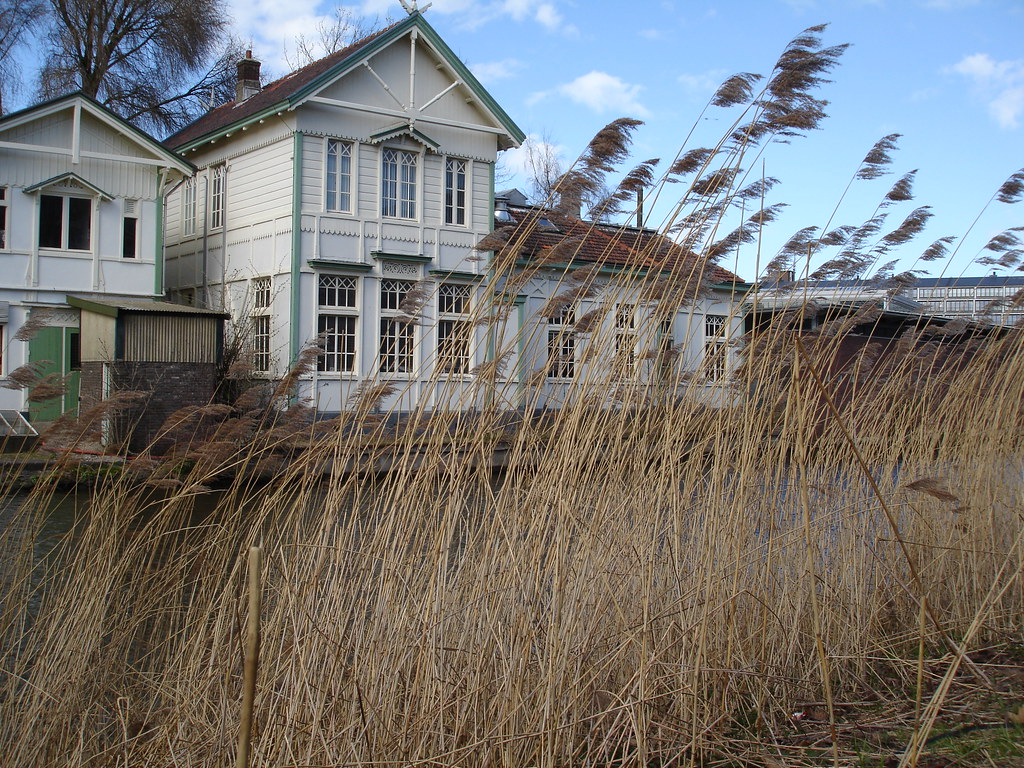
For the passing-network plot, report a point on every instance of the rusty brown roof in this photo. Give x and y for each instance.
(537, 230)
(273, 93)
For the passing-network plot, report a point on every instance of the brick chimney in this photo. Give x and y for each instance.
(248, 83)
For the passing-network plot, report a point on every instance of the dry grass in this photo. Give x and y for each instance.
(650, 580)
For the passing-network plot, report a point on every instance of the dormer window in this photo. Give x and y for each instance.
(65, 222)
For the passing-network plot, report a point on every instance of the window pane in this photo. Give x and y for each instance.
(396, 337)
(455, 191)
(453, 346)
(79, 223)
(217, 196)
(453, 299)
(261, 343)
(339, 175)
(51, 221)
(561, 354)
(408, 185)
(389, 183)
(189, 205)
(128, 243)
(339, 339)
(392, 293)
(336, 291)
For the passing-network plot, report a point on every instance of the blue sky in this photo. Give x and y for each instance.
(946, 74)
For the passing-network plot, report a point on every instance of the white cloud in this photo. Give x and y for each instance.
(653, 34)
(1008, 106)
(477, 13)
(548, 16)
(703, 83)
(521, 161)
(999, 83)
(272, 25)
(492, 71)
(600, 92)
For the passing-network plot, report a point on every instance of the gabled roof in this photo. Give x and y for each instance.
(90, 105)
(291, 90)
(113, 306)
(72, 177)
(536, 230)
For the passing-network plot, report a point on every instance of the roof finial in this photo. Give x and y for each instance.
(412, 6)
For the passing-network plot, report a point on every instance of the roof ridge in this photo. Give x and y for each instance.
(225, 114)
(347, 50)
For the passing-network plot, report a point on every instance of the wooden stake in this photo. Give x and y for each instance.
(252, 658)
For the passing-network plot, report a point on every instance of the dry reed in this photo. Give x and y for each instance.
(652, 578)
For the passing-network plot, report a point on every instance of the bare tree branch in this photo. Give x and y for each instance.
(129, 54)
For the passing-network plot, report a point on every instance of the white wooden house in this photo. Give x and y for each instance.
(608, 314)
(346, 199)
(80, 213)
(327, 200)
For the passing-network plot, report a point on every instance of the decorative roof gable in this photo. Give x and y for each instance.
(150, 151)
(69, 182)
(294, 89)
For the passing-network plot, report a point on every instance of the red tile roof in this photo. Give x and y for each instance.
(273, 93)
(604, 244)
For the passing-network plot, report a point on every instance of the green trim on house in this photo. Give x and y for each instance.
(385, 256)
(514, 131)
(345, 266)
(270, 111)
(454, 274)
(296, 271)
(415, 20)
(158, 253)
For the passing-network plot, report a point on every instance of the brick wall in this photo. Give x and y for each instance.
(165, 388)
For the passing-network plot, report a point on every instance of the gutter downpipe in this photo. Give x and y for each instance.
(206, 239)
(159, 254)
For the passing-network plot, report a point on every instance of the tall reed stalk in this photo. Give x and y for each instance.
(650, 580)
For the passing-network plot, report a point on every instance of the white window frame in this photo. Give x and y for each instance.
(561, 339)
(397, 337)
(338, 323)
(262, 298)
(188, 207)
(456, 191)
(338, 199)
(716, 347)
(5, 220)
(66, 222)
(454, 329)
(398, 183)
(130, 212)
(625, 338)
(218, 175)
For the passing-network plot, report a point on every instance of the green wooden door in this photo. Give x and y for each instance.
(55, 351)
